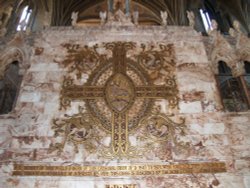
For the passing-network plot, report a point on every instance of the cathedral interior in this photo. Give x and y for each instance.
(58, 12)
(125, 93)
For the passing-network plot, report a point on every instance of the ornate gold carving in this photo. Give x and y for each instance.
(114, 84)
(82, 60)
(77, 129)
(157, 61)
(113, 171)
(119, 93)
(157, 130)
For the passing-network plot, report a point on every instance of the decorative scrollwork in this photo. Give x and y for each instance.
(158, 130)
(65, 101)
(157, 59)
(120, 45)
(132, 153)
(77, 129)
(159, 127)
(82, 59)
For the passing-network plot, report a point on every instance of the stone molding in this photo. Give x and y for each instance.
(15, 50)
(233, 55)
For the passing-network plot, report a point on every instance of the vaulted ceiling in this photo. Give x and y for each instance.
(61, 10)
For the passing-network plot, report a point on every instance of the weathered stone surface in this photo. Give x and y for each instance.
(26, 133)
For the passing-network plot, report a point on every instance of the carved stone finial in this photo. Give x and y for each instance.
(242, 42)
(103, 16)
(236, 25)
(74, 17)
(214, 24)
(136, 17)
(191, 18)
(164, 17)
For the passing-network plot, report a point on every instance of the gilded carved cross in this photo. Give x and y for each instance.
(119, 93)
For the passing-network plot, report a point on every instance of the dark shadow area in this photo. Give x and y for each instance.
(9, 88)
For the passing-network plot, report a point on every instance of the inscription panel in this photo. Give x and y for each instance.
(121, 186)
(114, 171)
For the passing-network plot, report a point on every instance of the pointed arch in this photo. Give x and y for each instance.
(10, 55)
(12, 66)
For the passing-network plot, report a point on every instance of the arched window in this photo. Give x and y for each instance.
(9, 87)
(24, 19)
(206, 20)
(232, 90)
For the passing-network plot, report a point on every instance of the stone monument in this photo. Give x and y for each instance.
(119, 106)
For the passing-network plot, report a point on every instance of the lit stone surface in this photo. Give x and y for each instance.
(26, 133)
(190, 108)
(209, 128)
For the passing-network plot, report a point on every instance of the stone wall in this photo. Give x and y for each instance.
(26, 134)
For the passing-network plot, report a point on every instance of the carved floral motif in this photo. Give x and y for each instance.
(82, 59)
(160, 134)
(77, 129)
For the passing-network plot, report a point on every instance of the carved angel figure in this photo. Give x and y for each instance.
(214, 25)
(74, 17)
(242, 42)
(164, 17)
(103, 16)
(191, 18)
